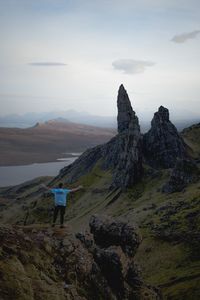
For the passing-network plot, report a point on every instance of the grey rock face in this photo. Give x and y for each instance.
(184, 172)
(162, 144)
(123, 154)
(129, 169)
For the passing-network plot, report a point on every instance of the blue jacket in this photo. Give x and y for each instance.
(60, 196)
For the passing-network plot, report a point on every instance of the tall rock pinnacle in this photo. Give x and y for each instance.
(126, 118)
(162, 143)
(129, 169)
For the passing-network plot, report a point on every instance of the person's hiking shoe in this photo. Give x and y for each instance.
(53, 225)
(62, 226)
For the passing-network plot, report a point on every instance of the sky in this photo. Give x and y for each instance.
(74, 54)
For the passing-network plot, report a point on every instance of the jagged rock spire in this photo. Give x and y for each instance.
(126, 118)
(162, 115)
(128, 144)
(162, 143)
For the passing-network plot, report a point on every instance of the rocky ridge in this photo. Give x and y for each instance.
(41, 263)
(124, 155)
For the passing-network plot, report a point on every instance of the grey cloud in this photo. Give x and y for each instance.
(182, 38)
(47, 64)
(131, 66)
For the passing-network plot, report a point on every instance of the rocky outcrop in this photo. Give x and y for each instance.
(184, 172)
(126, 116)
(107, 232)
(162, 143)
(37, 262)
(113, 246)
(122, 154)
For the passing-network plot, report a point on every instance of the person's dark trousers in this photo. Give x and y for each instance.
(62, 213)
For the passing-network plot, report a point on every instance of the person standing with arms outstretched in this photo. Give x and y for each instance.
(60, 198)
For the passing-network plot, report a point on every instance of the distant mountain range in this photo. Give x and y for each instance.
(30, 119)
(48, 141)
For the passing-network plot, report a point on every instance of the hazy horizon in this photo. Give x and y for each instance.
(31, 119)
(61, 54)
(148, 115)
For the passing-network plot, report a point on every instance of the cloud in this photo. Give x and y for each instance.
(131, 66)
(47, 64)
(182, 38)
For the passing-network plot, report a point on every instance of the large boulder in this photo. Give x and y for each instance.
(107, 232)
(162, 144)
(113, 245)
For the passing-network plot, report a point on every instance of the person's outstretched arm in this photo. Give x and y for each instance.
(42, 185)
(80, 187)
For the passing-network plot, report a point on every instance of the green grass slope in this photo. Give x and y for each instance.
(191, 135)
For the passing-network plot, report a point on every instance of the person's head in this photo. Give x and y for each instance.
(60, 185)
